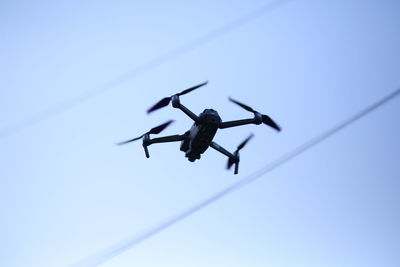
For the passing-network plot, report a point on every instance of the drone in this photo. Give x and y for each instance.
(200, 136)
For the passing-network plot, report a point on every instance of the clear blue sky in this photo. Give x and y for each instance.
(66, 191)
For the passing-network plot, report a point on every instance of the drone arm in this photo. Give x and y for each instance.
(229, 124)
(171, 138)
(222, 150)
(165, 139)
(177, 104)
(189, 113)
(233, 158)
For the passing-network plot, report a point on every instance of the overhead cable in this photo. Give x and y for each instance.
(117, 249)
(149, 65)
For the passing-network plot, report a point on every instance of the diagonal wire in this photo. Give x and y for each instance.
(151, 64)
(117, 249)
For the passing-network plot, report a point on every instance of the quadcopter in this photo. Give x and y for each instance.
(200, 136)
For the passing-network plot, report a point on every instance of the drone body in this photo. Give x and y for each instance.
(200, 136)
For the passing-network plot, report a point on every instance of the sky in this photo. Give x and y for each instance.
(67, 191)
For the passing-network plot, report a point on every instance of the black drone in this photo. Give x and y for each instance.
(200, 136)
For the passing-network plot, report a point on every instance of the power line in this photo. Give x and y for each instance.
(151, 64)
(117, 249)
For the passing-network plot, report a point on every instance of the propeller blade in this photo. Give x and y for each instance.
(160, 104)
(160, 128)
(268, 121)
(242, 105)
(244, 142)
(265, 118)
(192, 88)
(131, 140)
(165, 101)
(156, 130)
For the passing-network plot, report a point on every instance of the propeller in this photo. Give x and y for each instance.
(236, 159)
(265, 118)
(166, 100)
(155, 130)
(244, 142)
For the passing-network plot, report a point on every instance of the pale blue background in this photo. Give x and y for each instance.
(66, 191)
